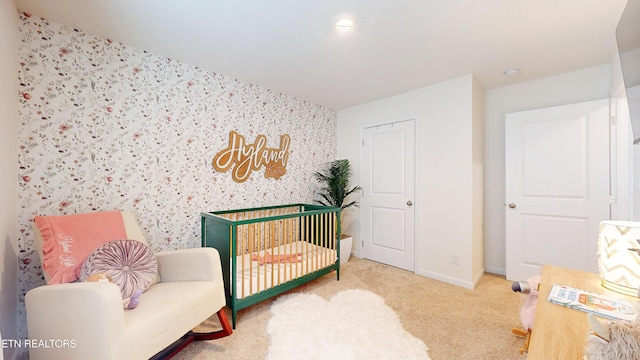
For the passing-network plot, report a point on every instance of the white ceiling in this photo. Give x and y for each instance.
(292, 46)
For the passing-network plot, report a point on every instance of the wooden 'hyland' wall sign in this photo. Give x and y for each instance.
(244, 158)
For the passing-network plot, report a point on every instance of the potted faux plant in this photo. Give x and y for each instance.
(334, 192)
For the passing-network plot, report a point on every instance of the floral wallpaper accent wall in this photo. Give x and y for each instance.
(106, 126)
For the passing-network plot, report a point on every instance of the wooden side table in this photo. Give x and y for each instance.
(558, 331)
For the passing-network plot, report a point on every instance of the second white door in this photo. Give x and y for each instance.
(557, 186)
(388, 194)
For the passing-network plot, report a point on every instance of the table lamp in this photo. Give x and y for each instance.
(619, 256)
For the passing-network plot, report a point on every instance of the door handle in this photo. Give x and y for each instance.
(512, 205)
(410, 203)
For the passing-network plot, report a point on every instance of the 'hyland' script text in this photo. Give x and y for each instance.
(244, 158)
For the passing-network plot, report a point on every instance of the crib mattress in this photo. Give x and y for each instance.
(253, 278)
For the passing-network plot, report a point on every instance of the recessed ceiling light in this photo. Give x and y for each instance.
(344, 24)
(512, 72)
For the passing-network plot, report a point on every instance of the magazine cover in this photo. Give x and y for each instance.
(597, 304)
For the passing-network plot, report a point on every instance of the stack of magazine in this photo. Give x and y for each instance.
(597, 304)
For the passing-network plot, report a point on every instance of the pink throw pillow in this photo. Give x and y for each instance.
(130, 264)
(68, 239)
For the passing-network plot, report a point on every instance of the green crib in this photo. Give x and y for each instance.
(267, 251)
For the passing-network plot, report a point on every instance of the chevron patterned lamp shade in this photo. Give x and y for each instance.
(619, 256)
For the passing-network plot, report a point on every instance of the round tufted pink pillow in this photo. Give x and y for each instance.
(129, 263)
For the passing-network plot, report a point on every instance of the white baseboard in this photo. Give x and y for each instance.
(451, 280)
(478, 277)
(495, 270)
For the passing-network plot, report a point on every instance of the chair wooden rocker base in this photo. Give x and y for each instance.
(191, 336)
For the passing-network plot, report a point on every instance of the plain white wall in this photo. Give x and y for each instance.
(8, 170)
(479, 110)
(578, 86)
(445, 173)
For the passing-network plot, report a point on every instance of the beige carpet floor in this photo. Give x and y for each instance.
(454, 322)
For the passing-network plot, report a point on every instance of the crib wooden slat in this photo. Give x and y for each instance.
(272, 234)
(310, 242)
(261, 269)
(241, 235)
(251, 251)
(334, 232)
(291, 264)
(323, 236)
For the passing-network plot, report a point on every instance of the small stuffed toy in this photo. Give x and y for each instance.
(268, 258)
(128, 303)
(619, 340)
(528, 310)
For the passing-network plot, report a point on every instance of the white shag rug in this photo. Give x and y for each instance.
(353, 324)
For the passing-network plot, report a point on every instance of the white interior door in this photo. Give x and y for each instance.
(557, 186)
(388, 194)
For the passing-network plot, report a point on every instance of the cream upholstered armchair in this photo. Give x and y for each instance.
(96, 320)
